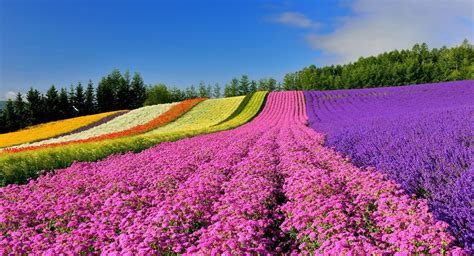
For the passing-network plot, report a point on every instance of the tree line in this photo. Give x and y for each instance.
(161, 93)
(114, 91)
(414, 66)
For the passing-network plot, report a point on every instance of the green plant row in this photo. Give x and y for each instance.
(17, 168)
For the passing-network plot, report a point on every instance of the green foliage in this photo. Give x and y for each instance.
(78, 100)
(415, 66)
(203, 93)
(244, 85)
(217, 91)
(157, 94)
(176, 94)
(253, 86)
(64, 104)
(191, 92)
(21, 111)
(90, 104)
(35, 106)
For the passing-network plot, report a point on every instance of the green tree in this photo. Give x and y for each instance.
(191, 92)
(234, 87)
(64, 105)
(157, 94)
(9, 116)
(176, 94)
(253, 86)
(120, 90)
(52, 104)
(217, 91)
(244, 85)
(138, 89)
(90, 101)
(289, 82)
(272, 84)
(35, 106)
(202, 90)
(105, 95)
(263, 84)
(3, 127)
(122, 85)
(21, 111)
(209, 90)
(79, 99)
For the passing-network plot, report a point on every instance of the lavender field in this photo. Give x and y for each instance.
(420, 136)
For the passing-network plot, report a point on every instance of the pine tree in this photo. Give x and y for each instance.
(21, 112)
(3, 127)
(122, 85)
(272, 84)
(64, 104)
(35, 106)
(138, 91)
(105, 95)
(191, 92)
(90, 103)
(202, 90)
(253, 86)
(209, 90)
(51, 103)
(176, 94)
(234, 87)
(244, 85)
(10, 117)
(227, 91)
(263, 84)
(217, 91)
(79, 99)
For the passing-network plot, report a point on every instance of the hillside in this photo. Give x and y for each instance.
(221, 193)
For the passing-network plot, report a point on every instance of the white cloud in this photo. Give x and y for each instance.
(295, 19)
(379, 26)
(9, 95)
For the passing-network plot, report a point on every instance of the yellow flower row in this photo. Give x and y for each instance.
(48, 130)
(205, 114)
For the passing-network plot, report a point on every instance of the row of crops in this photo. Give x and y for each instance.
(52, 129)
(420, 136)
(378, 171)
(17, 165)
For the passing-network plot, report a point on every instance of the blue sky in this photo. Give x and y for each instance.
(183, 42)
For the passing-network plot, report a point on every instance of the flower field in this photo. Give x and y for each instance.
(19, 166)
(206, 114)
(349, 172)
(420, 136)
(170, 115)
(269, 186)
(51, 129)
(124, 122)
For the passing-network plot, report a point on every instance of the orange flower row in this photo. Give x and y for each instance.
(172, 114)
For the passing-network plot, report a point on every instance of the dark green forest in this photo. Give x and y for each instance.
(117, 91)
(400, 67)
